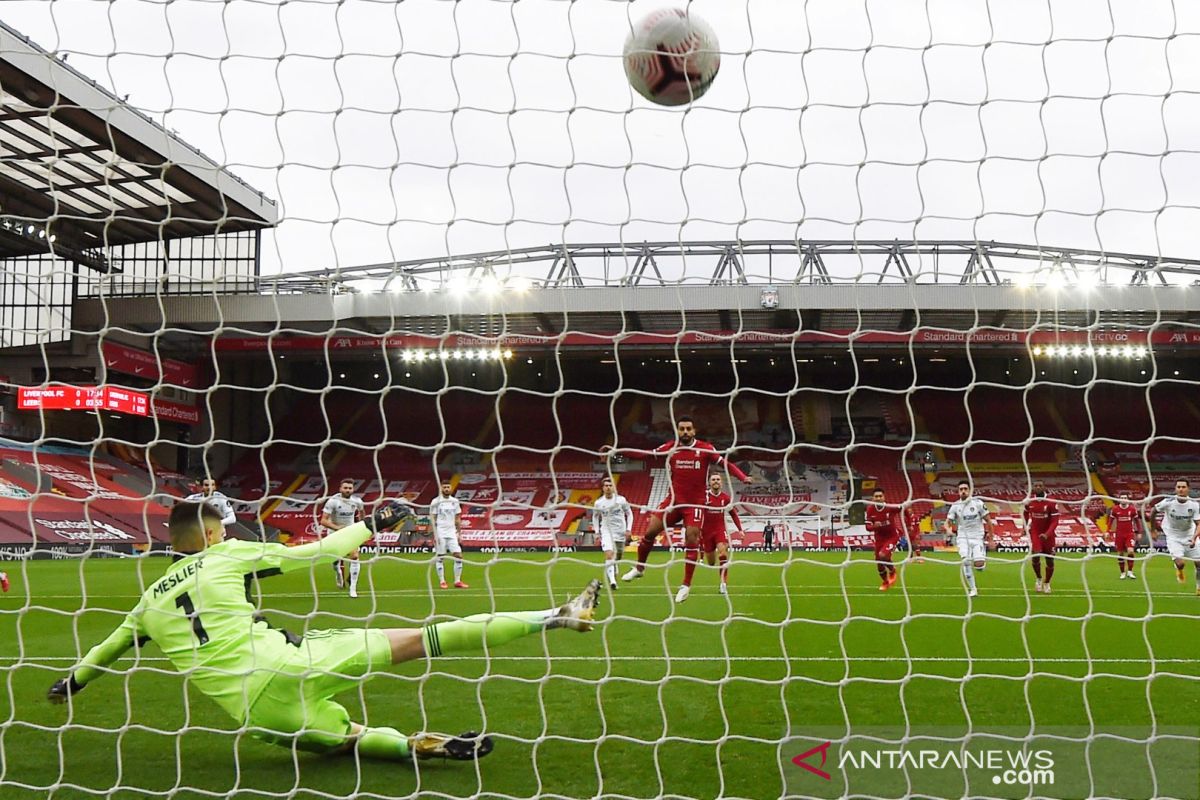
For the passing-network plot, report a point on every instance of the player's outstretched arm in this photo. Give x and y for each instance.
(734, 470)
(665, 447)
(338, 544)
(92, 665)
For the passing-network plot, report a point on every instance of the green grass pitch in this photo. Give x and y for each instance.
(693, 700)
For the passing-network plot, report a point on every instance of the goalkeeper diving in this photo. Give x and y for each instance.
(279, 685)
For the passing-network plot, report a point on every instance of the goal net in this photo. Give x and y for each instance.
(296, 261)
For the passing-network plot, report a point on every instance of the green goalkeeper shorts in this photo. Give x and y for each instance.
(296, 706)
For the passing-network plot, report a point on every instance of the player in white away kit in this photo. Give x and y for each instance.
(968, 519)
(209, 495)
(1179, 517)
(340, 511)
(446, 513)
(613, 518)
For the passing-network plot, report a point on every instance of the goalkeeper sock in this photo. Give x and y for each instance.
(724, 562)
(355, 566)
(385, 743)
(689, 567)
(1049, 568)
(1037, 566)
(478, 630)
(458, 565)
(968, 574)
(441, 569)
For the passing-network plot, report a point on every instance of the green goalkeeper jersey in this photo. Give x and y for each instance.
(200, 615)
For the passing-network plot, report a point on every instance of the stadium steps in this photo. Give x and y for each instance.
(658, 489)
(637, 410)
(1099, 488)
(1191, 408)
(26, 475)
(813, 415)
(1060, 424)
(898, 484)
(636, 487)
(895, 417)
(342, 433)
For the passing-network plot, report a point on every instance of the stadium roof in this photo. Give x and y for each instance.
(80, 165)
(901, 287)
(543, 315)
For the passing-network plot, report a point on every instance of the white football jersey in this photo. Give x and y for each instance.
(612, 516)
(1179, 519)
(968, 515)
(343, 512)
(443, 510)
(218, 501)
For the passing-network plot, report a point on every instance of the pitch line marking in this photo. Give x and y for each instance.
(733, 658)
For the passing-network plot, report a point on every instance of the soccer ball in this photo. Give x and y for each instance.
(671, 57)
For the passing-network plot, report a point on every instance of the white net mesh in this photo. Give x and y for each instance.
(896, 245)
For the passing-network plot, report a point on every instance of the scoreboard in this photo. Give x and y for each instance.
(83, 398)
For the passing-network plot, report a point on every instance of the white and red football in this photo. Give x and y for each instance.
(671, 57)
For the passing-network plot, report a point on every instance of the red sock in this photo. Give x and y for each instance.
(1049, 568)
(883, 570)
(644, 548)
(692, 555)
(724, 562)
(1037, 567)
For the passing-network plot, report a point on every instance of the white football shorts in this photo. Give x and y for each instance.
(610, 543)
(444, 543)
(1182, 547)
(971, 547)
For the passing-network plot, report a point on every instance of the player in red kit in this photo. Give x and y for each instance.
(689, 461)
(1041, 518)
(912, 525)
(713, 540)
(1125, 521)
(884, 521)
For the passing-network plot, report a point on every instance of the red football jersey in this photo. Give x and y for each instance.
(883, 522)
(1041, 515)
(1122, 517)
(689, 466)
(715, 506)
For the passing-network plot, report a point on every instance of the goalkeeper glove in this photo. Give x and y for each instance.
(389, 515)
(64, 688)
